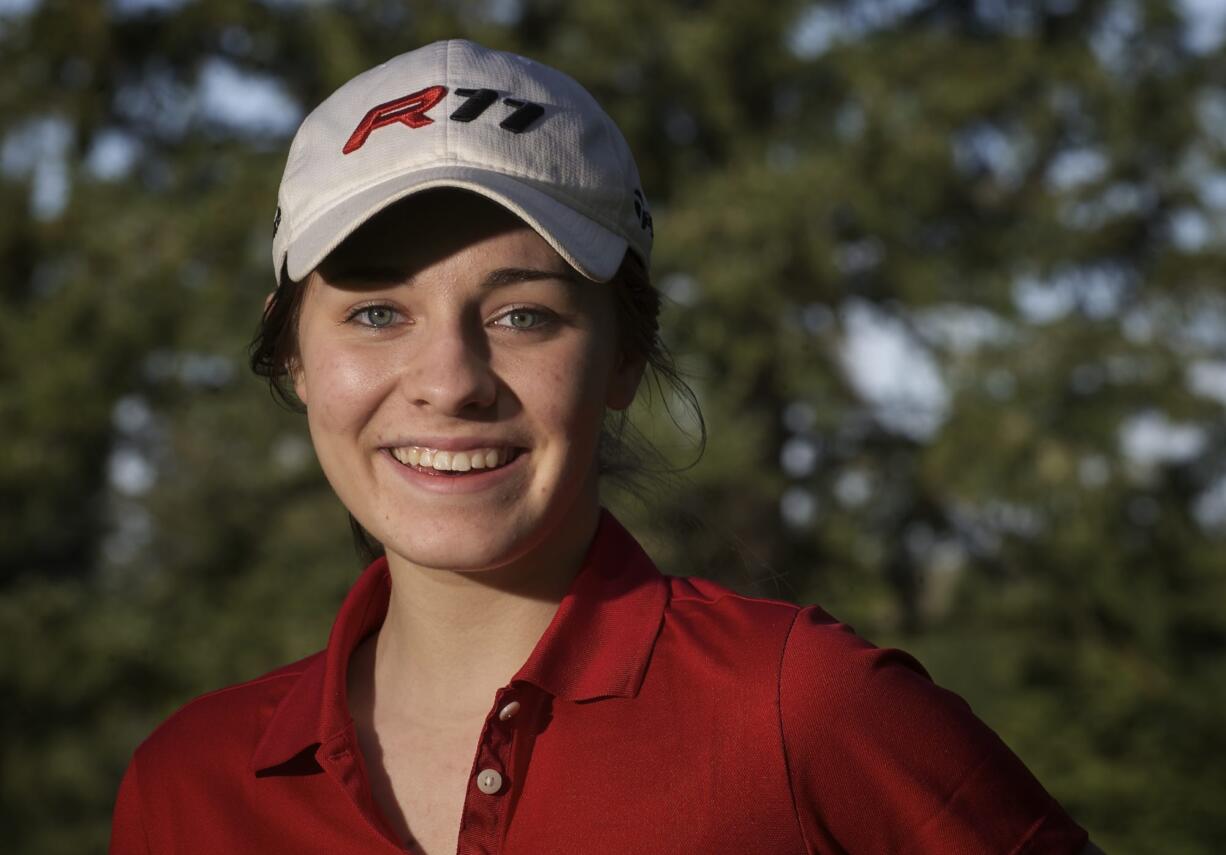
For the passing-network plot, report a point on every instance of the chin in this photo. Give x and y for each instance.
(457, 546)
(470, 534)
(469, 558)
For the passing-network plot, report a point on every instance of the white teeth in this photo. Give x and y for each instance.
(452, 461)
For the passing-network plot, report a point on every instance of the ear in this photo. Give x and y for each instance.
(624, 382)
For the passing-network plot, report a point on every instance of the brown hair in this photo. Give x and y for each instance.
(625, 457)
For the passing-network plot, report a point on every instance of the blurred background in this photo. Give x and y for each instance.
(945, 276)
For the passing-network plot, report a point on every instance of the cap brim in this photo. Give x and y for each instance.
(593, 250)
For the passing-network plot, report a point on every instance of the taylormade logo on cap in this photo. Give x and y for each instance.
(456, 114)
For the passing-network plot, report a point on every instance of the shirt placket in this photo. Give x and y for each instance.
(495, 775)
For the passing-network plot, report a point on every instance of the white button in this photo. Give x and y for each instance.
(489, 781)
(509, 710)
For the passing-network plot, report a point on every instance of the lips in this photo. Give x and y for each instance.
(450, 482)
(433, 461)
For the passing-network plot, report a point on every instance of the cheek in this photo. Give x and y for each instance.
(344, 388)
(569, 392)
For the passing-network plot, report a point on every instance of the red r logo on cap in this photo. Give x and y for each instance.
(408, 110)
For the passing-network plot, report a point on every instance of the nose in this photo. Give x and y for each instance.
(449, 370)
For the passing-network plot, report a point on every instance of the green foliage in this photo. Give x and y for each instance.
(1030, 195)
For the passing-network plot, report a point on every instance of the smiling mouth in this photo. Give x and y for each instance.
(454, 464)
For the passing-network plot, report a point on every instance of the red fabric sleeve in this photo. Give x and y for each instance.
(127, 827)
(880, 759)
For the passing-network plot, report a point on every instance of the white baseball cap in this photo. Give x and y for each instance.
(456, 114)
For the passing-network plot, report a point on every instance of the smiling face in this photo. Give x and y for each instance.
(446, 335)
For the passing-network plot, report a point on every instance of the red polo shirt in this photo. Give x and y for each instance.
(656, 715)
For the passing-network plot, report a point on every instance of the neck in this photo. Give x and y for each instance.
(451, 639)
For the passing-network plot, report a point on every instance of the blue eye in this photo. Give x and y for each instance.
(376, 317)
(525, 319)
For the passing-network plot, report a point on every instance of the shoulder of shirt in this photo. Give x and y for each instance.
(713, 598)
(811, 645)
(238, 710)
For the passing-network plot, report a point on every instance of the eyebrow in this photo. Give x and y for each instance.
(511, 275)
(499, 278)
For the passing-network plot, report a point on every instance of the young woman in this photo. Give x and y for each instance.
(463, 306)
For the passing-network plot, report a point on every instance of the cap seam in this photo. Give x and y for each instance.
(450, 90)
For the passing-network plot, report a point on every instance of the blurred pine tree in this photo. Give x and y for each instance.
(947, 276)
